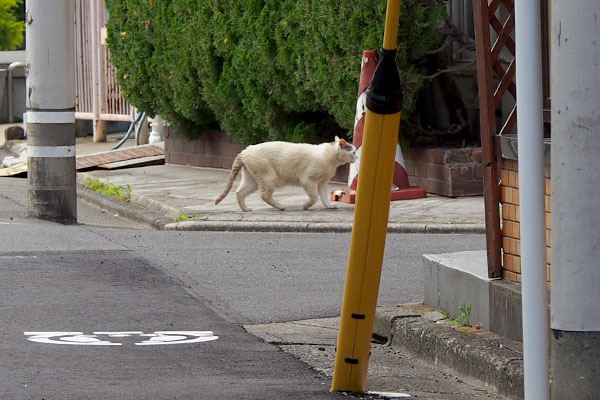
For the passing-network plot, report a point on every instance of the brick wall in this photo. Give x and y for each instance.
(450, 172)
(214, 149)
(511, 238)
(444, 171)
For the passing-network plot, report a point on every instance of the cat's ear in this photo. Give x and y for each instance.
(337, 139)
(342, 143)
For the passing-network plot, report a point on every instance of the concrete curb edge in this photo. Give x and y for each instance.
(484, 358)
(123, 209)
(317, 227)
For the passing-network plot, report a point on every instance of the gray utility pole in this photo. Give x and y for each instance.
(51, 110)
(575, 297)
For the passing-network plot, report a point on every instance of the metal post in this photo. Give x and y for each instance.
(51, 110)
(531, 195)
(384, 105)
(575, 314)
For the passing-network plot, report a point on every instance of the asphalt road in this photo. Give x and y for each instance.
(276, 277)
(82, 317)
(90, 311)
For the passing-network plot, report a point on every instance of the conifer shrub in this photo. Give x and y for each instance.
(260, 70)
(12, 25)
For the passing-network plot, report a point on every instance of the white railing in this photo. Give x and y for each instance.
(98, 97)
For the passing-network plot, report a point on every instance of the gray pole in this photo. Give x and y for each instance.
(531, 183)
(575, 295)
(51, 110)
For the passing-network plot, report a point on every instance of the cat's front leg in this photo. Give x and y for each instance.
(324, 195)
(313, 194)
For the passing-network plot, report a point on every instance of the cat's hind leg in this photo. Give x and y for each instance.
(247, 186)
(324, 195)
(267, 196)
(312, 192)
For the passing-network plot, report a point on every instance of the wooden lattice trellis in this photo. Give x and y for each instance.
(495, 75)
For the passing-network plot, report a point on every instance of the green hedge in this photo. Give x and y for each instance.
(261, 70)
(12, 25)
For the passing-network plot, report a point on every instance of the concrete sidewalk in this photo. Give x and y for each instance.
(172, 191)
(162, 193)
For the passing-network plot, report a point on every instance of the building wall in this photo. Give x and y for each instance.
(511, 243)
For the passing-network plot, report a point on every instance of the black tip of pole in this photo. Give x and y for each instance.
(384, 95)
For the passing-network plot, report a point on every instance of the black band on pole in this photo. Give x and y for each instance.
(384, 95)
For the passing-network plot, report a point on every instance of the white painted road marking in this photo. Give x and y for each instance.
(155, 338)
(75, 338)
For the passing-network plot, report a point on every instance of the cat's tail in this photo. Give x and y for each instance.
(235, 169)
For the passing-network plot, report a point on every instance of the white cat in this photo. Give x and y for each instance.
(271, 165)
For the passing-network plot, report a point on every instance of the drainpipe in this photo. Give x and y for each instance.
(11, 68)
(531, 194)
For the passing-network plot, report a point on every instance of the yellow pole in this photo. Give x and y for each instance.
(382, 123)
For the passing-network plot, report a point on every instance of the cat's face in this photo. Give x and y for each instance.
(346, 150)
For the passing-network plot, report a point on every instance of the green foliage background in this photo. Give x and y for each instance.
(259, 69)
(11, 26)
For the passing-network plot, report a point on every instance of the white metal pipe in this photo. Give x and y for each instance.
(9, 87)
(531, 194)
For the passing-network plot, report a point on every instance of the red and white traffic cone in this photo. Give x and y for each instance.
(401, 190)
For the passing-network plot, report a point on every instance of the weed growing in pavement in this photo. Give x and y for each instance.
(108, 189)
(185, 217)
(461, 319)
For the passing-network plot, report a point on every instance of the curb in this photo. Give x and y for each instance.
(317, 227)
(126, 210)
(482, 357)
